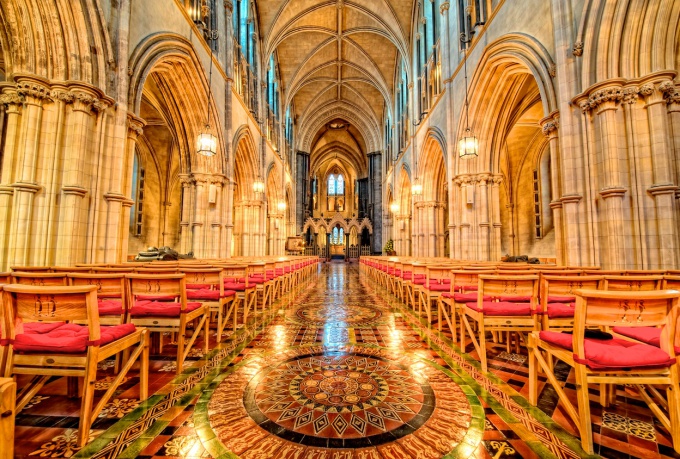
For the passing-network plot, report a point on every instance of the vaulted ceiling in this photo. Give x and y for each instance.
(337, 60)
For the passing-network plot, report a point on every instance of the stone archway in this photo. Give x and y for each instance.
(249, 228)
(430, 219)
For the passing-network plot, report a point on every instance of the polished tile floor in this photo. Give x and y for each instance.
(336, 369)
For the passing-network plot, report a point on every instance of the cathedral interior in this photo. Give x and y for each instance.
(340, 229)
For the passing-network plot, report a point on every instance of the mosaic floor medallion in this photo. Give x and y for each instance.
(347, 314)
(340, 396)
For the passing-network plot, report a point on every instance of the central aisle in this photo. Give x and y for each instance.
(340, 375)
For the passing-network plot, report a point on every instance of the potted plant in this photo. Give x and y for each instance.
(389, 248)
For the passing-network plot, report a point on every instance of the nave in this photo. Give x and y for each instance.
(337, 368)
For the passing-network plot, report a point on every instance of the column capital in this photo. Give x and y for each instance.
(135, 125)
(444, 7)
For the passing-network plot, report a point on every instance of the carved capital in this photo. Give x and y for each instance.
(549, 127)
(577, 50)
(613, 94)
(552, 71)
(229, 6)
(11, 98)
(83, 101)
(62, 95)
(444, 8)
(671, 93)
(33, 91)
(135, 125)
(630, 95)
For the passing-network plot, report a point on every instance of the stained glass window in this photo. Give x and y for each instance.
(331, 185)
(340, 186)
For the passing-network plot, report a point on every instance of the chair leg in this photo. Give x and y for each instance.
(533, 375)
(87, 401)
(585, 427)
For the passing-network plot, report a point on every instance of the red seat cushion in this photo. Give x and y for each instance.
(648, 335)
(612, 354)
(468, 297)
(469, 288)
(110, 307)
(419, 281)
(561, 310)
(439, 287)
(156, 297)
(561, 299)
(502, 308)
(203, 294)
(239, 287)
(160, 309)
(199, 286)
(515, 298)
(67, 339)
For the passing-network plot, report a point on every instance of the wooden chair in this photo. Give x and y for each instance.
(601, 359)
(5, 278)
(110, 270)
(645, 272)
(464, 285)
(513, 308)
(206, 285)
(159, 303)
(264, 284)
(111, 295)
(236, 278)
(438, 281)
(632, 283)
(39, 279)
(8, 390)
(558, 300)
(76, 355)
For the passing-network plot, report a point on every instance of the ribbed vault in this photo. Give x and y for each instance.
(337, 60)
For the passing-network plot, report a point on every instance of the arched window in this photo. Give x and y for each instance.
(138, 196)
(331, 185)
(336, 185)
(338, 236)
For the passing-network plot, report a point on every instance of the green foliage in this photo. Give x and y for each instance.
(389, 246)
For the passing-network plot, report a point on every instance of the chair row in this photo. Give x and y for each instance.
(63, 324)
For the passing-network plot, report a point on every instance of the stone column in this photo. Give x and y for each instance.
(35, 93)
(496, 249)
(214, 248)
(376, 196)
(663, 189)
(672, 96)
(185, 224)
(199, 223)
(549, 126)
(455, 215)
(77, 147)
(573, 171)
(13, 104)
(605, 102)
(302, 188)
(465, 226)
(484, 221)
(135, 128)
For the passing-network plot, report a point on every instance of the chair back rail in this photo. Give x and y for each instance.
(171, 284)
(110, 285)
(30, 269)
(632, 283)
(498, 286)
(39, 279)
(606, 309)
